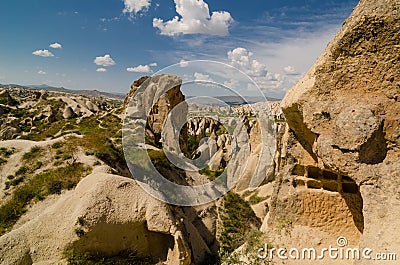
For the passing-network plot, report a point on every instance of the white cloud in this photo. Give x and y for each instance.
(241, 58)
(194, 18)
(105, 60)
(135, 6)
(43, 53)
(232, 84)
(41, 72)
(101, 70)
(140, 69)
(183, 63)
(153, 64)
(55, 45)
(290, 70)
(265, 80)
(202, 77)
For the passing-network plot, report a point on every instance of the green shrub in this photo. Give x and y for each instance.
(54, 187)
(6, 152)
(13, 182)
(37, 165)
(212, 175)
(238, 219)
(21, 170)
(32, 154)
(122, 258)
(79, 232)
(56, 145)
(17, 181)
(254, 199)
(10, 177)
(67, 156)
(57, 163)
(81, 221)
(91, 152)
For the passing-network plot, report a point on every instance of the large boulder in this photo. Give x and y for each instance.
(111, 213)
(166, 89)
(69, 113)
(339, 166)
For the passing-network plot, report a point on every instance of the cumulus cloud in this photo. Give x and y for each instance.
(55, 45)
(105, 60)
(233, 83)
(41, 72)
(183, 63)
(194, 18)
(290, 70)
(202, 77)
(101, 70)
(153, 64)
(43, 53)
(265, 80)
(135, 6)
(241, 58)
(140, 69)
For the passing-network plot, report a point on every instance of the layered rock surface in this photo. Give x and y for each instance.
(339, 169)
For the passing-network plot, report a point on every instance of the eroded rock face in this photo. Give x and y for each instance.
(68, 113)
(152, 87)
(114, 215)
(344, 124)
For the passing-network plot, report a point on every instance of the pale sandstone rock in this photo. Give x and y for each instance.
(117, 215)
(339, 169)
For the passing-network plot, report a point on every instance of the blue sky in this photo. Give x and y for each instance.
(106, 44)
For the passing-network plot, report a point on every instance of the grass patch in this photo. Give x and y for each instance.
(254, 199)
(98, 140)
(212, 175)
(238, 219)
(36, 188)
(56, 145)
(32, 154)
(54, 186)
(6, 153)
(45, 131)
(91, 152)
(22, 170)
(122, 258)
(284, 225)
(13, 182)
(67, 156)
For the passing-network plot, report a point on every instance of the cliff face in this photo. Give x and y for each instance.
(340, 170)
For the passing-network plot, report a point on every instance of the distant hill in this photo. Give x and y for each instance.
(92, 93)
(231, 100)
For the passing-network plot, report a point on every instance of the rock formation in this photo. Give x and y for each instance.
(161, 108)
(339, 164)
(112, 213)
(5, 98)
(68, 113)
